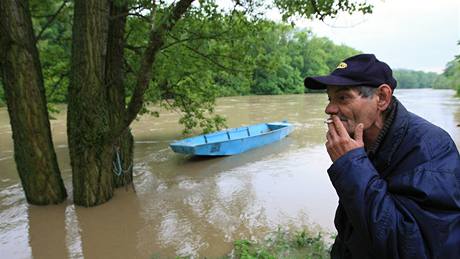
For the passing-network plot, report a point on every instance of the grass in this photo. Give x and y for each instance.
(283, 244)
(279, 244)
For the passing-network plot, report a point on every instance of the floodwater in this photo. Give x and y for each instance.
(195, 206)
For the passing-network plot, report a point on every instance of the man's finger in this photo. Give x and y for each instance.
(341, 131)
(328, 136)
(332, 131)
(359, 133)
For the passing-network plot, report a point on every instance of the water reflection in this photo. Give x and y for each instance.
(111, 230)
(195, 206)
(13, 223)
(47, 231)
(198, 212)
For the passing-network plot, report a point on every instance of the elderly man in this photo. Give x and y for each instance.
(397, 175)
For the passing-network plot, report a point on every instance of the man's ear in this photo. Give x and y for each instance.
(384, 94)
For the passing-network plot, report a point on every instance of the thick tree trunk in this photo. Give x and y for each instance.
(25, 96)
(123, 145)
(98, 121)
(121, 117)
(88, 118)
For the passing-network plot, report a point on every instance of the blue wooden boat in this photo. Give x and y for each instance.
(233, 141)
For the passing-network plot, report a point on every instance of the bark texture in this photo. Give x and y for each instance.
(123, 144)
(88, 116)
(100, 142)
(25, 97)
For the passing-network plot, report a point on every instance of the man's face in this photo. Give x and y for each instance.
(352, 108)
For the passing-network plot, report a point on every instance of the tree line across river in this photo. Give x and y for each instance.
(227, 55)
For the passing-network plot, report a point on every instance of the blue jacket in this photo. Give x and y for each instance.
(405, 201)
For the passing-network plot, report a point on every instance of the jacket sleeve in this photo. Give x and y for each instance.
(388, 227)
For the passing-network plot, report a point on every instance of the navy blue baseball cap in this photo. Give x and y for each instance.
(359, 70)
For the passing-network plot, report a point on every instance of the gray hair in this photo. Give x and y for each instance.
(366, 91)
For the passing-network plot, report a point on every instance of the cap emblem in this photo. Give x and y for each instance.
(342, 65)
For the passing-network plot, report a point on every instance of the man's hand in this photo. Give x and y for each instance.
(339, 141)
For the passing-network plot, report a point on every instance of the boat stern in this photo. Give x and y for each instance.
(181, 148)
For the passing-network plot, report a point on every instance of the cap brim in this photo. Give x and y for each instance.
(321, 82)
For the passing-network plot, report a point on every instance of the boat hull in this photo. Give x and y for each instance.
(233, 141)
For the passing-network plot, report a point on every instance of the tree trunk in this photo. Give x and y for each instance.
(25, 96)
(123, 145)
(88, 118)
(97, 120)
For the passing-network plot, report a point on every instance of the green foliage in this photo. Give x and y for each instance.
(211, 52)
(414, 79)
(52, 20)
(319, 55)
(283, 244)
(197, 64)
(274, 72)
(450, 78)
(52, 26)
(320, 8)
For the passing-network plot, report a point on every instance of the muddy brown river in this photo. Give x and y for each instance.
(195, 206)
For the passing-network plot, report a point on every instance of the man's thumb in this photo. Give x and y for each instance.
(359, 133)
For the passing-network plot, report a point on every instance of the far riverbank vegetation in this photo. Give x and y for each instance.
(228, 55)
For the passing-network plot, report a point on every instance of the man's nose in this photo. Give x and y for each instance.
(331, 109)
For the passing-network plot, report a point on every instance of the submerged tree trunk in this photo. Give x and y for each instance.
(123, 144)
(100, 142)
(25, 97)
(88, 116)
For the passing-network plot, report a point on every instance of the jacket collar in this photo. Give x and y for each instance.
(392, 139)
(388, 116)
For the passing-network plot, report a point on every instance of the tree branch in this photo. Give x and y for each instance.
(114, 17)
(208, 58)
(200, 37)
(320, 15)
(135, 49)
(50, 20)
(129, 68)
(57, 83)
(156, 41)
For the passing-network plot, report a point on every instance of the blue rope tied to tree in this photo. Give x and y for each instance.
(117, 167)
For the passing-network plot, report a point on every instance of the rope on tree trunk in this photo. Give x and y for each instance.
(117, 167)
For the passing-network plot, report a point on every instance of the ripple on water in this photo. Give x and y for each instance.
(176, 231)
(6, 158)
(13, 223)
(12, 195)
